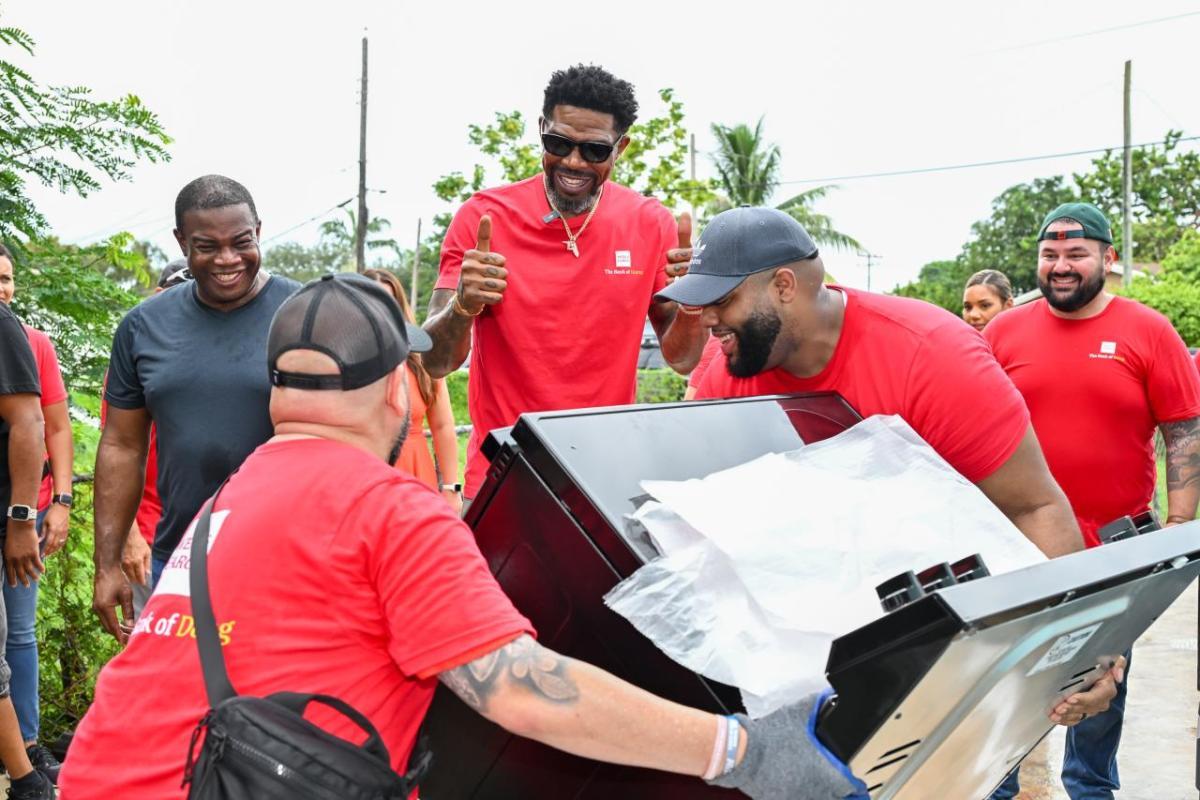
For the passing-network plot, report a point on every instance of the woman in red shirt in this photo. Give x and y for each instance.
(429, 400)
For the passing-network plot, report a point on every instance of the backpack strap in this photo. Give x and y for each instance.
(208, 641)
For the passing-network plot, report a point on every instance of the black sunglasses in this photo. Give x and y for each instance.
(561, 146)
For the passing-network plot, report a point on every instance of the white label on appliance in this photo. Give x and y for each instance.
(1065, 648)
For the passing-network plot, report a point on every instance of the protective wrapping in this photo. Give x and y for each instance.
(764, 564)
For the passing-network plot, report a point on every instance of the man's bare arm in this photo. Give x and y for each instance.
(680, 335)
(573, 706)
(120, 478)
(451, 334)
(1183, 468)
(26, 446)
(1027, 493)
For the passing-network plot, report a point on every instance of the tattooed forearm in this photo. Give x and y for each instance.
(1183, 453)
(523, 662)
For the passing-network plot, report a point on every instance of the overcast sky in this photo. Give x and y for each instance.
(267, 93)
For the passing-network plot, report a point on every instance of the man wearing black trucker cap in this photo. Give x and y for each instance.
(331, 572)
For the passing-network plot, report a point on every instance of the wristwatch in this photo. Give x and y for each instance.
(451, 487)
(63, 499)
(22, 513)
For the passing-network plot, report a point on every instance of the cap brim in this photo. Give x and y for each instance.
(695, 289)
(418, 339)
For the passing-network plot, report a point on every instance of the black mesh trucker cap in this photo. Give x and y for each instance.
(174, 273)
(350, 318)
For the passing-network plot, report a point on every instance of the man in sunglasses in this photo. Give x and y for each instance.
(550, 279)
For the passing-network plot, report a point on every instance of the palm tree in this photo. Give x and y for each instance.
(748, 174)
(340, 234)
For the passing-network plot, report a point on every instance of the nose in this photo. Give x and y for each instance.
(227, 255)
(573, 160)
(708, 316)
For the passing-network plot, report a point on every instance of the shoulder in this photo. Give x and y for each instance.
(281, 286)
(1133, 312)
(906, 315)
(519, 194)
(635, 204)
(37, 339)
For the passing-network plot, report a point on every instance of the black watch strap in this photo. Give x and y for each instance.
(63, 499)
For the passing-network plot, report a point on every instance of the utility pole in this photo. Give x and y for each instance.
(1127, 205)
(871, 259)
(360, 235)
(415, 267)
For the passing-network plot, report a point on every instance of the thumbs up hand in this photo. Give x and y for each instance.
(678, 257)
(483, 278)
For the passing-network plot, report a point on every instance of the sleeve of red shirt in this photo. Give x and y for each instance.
(460, 237)
(1172, 383)
(441, 601)
(49, 373)
(960, 401)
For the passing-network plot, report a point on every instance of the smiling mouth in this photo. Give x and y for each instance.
(228, 278)
(572, 183)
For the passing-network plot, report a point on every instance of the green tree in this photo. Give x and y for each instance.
(1006, 240)
(1176, 291)
(748, 170)
(63, 138)
(1165, 197)
(302, 263)
(64, 291)
(340, 234)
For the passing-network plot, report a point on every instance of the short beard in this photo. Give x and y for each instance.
(1084, 293)
(755, 341)
(568, 206)
(399, 443)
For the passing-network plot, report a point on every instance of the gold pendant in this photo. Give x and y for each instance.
(574, 248)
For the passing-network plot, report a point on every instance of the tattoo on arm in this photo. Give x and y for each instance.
(1183, 453)
(525, 663)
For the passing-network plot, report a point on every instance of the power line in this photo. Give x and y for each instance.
(975, 164)
(1097, 32)
(313, 218)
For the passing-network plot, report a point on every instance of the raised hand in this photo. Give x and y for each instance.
(678, 257)
(483, 278)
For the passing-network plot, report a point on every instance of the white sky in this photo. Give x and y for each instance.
(267, 93)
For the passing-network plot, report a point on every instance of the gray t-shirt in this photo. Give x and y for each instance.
(201, 374)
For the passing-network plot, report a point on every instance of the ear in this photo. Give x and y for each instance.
(182, 241)
(1110, 258)
(784, 284)
(258, 231)
(1008, 303)
(621, 145)
(397, 389)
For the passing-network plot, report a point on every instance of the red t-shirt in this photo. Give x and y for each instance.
(911, 358)
(711, 348)
(568, 331)
(149, 510)
(364, 587)
(1096, 389)
(53, 391)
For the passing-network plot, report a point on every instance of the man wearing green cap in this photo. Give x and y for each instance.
(1099, 373)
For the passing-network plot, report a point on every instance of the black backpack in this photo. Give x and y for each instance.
(258, 748)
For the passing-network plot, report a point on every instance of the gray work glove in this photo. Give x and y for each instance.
(785, 761)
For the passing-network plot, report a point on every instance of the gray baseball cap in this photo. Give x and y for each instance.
(736, 244)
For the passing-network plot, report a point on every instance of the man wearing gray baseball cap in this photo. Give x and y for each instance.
(782, 329)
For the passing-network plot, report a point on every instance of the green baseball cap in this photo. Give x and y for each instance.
(1095, 224)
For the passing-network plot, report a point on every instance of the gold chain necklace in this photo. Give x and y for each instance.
(572, 247)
